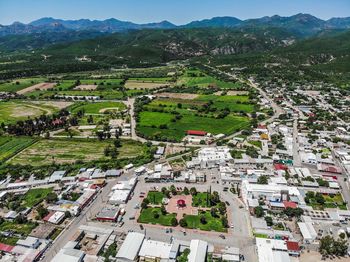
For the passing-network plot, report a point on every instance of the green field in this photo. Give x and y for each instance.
(67, 150)
(9, 146)
(147, 217)
(12, 111)
(212, 223)
(200, 200)
(23, 229)
(336, 201)
(155, 197)
(19, 84)
(175, 131)
(200, 79)
(35, 196)
(97, 107)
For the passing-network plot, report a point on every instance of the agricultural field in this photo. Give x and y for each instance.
(170, 118)
(104, 88)
(12, 111)
(98, 107)
(10, 146)
(62, 151)
(194, 77)
(144, 84)
(19, 84)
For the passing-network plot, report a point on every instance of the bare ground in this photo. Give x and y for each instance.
(177, 95)
(314, 256)
(131, 84)
(86, 87)
(41, 86)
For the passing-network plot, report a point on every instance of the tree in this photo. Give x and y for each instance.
(67, 214)
(268, 220)
(263, 180)
(183, 222)
(259, 211)
(155, 214)
(224, 222)
(203, 220)
(193, 191)
(319, 198)
(214, 198)
(173, 190)
(42, 211)
(186, 191)
(213, 212)
(163, 210)
(222, 208)
(174, 222)
(51, 197)
(330, 246)
(164, 190)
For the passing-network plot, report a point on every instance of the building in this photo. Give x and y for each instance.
(272, 250)
(108, 214)
(155, 251)
(198, 251)
(130, 248)
(196, 133)
(308, 231)
(69, 253)
(55, 217)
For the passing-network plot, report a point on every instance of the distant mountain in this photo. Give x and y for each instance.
(225, 21)
(304, 25)
(109, 25)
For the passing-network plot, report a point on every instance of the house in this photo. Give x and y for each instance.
(108, 214)
(130, 248)
(198, 251)
(196, 133)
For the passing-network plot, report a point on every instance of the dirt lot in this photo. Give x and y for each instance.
(57, 104)
(171, 149)
(233, 93)
(41, 86)
(130, 84)
(85, 87)
(314, 256)
(177, 95)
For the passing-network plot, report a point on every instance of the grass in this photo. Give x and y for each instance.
(168, 119)
(147, 217)
(12, 111)
(150, 121)
(9, 146)
(255, 143)
(23, 229)
(335, 202)
(19, 84)
(212, 223)
(200, 200)
(68, 150)
(9, 240)
(200, 79)
(35, 196)
(155, 197)
(97, 107)
(56, 233)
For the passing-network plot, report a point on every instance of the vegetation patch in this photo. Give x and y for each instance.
(154, 215)
(62, 151)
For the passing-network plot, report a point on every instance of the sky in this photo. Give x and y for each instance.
(175, 11)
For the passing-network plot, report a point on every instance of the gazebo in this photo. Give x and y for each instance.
(181, 203)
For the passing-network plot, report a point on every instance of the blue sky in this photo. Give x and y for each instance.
(175, 11)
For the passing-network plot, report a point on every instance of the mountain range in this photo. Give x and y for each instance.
(304, 25)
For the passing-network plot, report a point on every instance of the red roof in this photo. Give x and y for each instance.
(331, 169)
(280, 167)
(196, 132)
(6, 248)
(181, 202)
(289, 204)
(47, 217)
(293, 246)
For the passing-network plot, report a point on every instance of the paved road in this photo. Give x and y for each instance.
(240, 236)
(92, 209)
(296, 156)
